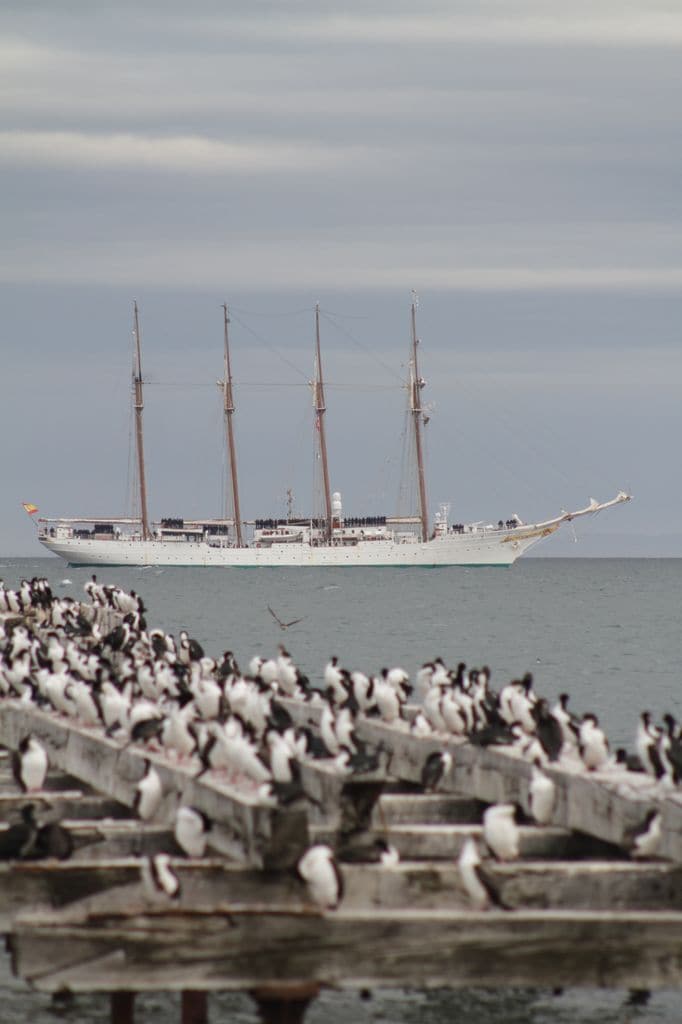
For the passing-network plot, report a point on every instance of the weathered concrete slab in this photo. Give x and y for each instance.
(248, 948)
(607, 805)
(209, 886)
(245, 829)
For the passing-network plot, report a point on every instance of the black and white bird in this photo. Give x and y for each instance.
(30, 764)
(158, 877)
(191, 831)
(500, 831)
(423, 680)
(362, 689)
(53, 840)
(542, 795)
(18, 842)
(189, 649)
(594, 746)
(671, 749)
(548, 729)
(319, 870)
(454, 713)
(336, 679)
(434, 768)
(420, 725)
(388, 699)
(148, 793)
(481, 893)
(292, 681)
(647, 746)
(389, 856)
(327, 727)
(646, 840)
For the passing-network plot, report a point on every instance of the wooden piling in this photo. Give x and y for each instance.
(193, 1007)
(122, 1007)
(284, 1004)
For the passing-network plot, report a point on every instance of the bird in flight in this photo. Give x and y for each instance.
(283, 625)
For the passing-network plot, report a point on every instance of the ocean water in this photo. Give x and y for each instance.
(605, 630)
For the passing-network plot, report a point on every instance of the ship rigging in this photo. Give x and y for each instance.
(330, 539)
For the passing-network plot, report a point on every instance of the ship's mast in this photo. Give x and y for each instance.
(320, 409)
(139, 440)
(228, 409)
(416, 385)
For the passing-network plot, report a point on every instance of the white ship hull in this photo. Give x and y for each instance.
(486, 548)
(475, 546)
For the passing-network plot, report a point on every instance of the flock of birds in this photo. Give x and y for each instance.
(141, 686)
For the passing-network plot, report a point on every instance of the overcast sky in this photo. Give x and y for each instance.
(517, 163)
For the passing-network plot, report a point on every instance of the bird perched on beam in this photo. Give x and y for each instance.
(646, 839)
(191, 831)
(158, 877)
(319, 870)
(542, 795)
(477, 885)
(29, 764)
(148, 793)
(501, 832)
(435, 767)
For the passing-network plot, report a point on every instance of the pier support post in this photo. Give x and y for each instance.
(122, 1007)
(284, 1004)
(194, 1007)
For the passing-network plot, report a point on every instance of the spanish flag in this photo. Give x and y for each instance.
(28, 507)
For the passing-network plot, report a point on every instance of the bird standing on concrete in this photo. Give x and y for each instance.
(477, 886)
(319, 870)
(594, 746)
(29, 764)
(542, 795)
(158, 877)
(647, 839)
(435, 767)
(148, 793)
(191, 831)
(501, 832)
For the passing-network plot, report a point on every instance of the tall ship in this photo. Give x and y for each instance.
(329, 538)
